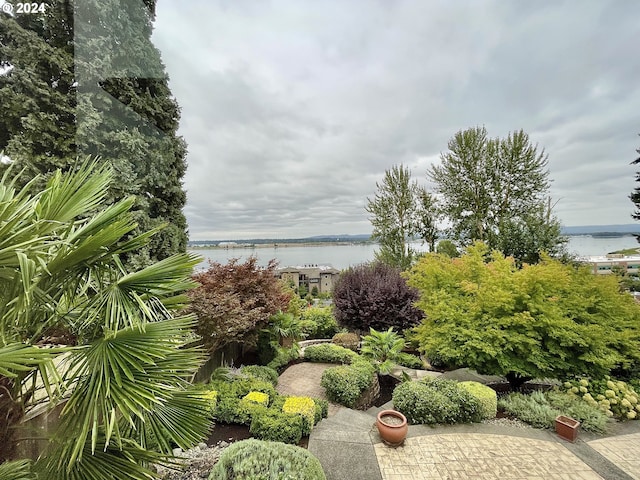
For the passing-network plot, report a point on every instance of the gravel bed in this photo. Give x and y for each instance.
(197, 462)
(507, 422)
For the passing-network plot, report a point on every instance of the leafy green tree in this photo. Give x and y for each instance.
(375, 296)
(427, 218)
(496, 191)
(84, 78)
(539, 321)
(399, 211)
(125, 381)
(448, 248)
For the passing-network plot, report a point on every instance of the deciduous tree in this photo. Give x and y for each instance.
(399, 211)
(235, 301)
(540, 321)
(375, 296)
(496, 191)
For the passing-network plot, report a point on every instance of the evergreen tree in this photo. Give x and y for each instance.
(84, 78)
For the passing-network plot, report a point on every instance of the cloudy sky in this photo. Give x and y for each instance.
(293, 109)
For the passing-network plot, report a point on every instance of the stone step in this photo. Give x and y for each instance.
(347, 421)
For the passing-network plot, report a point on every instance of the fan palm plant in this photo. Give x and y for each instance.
(384, 348)
(125, 383)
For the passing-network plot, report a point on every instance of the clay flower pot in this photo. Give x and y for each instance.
(392, 427)
(567, 428)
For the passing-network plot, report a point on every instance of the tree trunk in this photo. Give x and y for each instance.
(516, 381)
(10, 415)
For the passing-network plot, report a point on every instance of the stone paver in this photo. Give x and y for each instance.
(303, 379)
(623, 450)
(480, 457)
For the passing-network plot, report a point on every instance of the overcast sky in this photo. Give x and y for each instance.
(293, 109)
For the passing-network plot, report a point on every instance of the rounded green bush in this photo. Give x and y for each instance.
(435, 401)
(261, 372)
(329, 353)
(345, 384)
(260, 460)
(486, 396)
(347, 340)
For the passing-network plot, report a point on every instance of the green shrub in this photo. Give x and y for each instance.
(614, 397)
(277, 426)
(308, 329)
(435, 401)
(486, 397)
(409, 361)
(345, 384)
(322, 409)
(533, 409)
(322, 319)
(230, 407)
(258, 460)
(347, 340)
(212, 397)
(261, 373)
(257, 397)
(303, 406)
(284, 357)
(590, 416)
(541, 409)
(328, 353)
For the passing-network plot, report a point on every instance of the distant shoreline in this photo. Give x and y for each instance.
(275, 245)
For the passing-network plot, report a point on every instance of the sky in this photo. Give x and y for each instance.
(293, 109)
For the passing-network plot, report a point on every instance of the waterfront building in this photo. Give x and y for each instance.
(321, 276)
(603, 264)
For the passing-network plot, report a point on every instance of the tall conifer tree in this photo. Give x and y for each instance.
(84, 79)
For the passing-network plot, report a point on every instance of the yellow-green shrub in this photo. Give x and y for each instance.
(303, 406)
(614, 397)
(211, 396)
(486, 396)
(257, 397)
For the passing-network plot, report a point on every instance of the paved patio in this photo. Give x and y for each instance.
(349, 447)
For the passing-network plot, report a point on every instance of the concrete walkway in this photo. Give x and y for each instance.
(349, 447)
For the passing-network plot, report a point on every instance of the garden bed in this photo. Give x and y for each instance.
(233, 432)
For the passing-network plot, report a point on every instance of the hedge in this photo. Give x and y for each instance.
(431, 401)
(329, 353)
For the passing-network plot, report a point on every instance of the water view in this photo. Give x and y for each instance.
(343, 256)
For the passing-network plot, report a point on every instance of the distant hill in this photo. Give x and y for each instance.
(603, 230)
(315, 239)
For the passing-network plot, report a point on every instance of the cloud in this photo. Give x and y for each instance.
(292, 111)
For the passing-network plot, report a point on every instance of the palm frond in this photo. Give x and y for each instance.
(105, 462)
(17, 470)
(124, 377)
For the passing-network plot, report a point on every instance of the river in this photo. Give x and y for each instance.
(343, 256)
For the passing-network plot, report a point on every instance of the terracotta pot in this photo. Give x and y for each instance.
(567, 428)
(392, 433)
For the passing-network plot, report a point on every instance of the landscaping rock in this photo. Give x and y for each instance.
(196, 462)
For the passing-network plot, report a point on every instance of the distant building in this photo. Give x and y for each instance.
(321, 276)
(604, 263)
